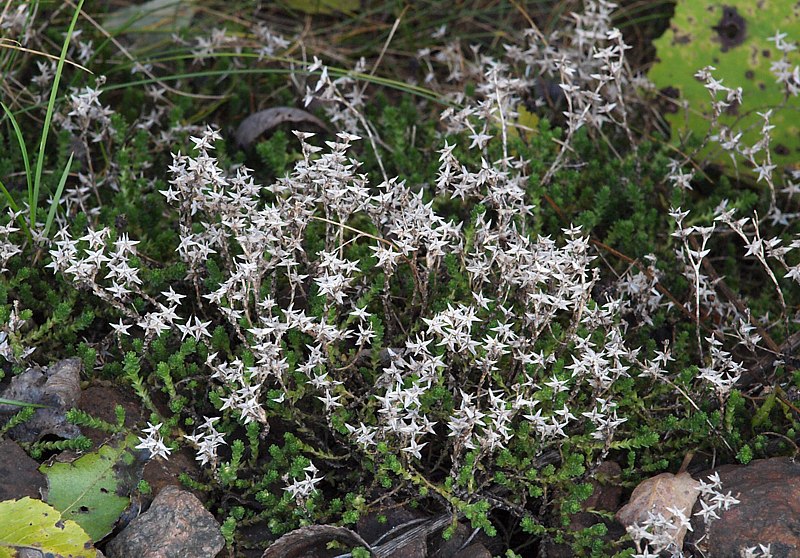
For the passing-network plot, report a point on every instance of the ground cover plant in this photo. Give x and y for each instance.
(459, 266)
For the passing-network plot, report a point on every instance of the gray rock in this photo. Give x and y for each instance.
(440, 548)
(176, 526)
(768, 511)
(58, 387)
(19, 474)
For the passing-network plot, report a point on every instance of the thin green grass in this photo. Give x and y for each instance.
(37, 181)
(34, 181)
(16, 403)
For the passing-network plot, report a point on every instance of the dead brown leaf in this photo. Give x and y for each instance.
(304, 541)
(264, 120)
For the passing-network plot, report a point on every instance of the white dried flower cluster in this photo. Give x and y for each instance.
(641, 297)
(8, 248)
(17, 23)
(657, 534)
(271, 41)
(760, 551)
(541, 281)
(87, 117)
(712, 500)
(782, 68)
(207, 47)
(721, 371)
(758, 155)
(98, 265)
(10, 348)
(302, 489)
(154, 442)
(207, 440)
(90, 123)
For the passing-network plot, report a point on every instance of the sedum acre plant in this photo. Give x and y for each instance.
(434, 302)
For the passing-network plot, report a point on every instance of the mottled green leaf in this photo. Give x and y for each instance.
(32, 524)
(94, 490)
(159, 16)
(733, 37)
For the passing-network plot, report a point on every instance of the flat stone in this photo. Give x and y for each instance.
(19, 473)
(99, 400)
(176, 526)
(768, 511)
(58, 387)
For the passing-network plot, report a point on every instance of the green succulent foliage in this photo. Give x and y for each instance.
(733, 37)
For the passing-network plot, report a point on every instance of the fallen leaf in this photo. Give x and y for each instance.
(734, 37)
(300, 542)
(94, 489)
(32, 524)
(658, 493)
(155, 15)
(263, 120)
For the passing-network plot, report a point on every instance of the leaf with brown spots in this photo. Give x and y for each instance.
(734, 37)
(31, 524)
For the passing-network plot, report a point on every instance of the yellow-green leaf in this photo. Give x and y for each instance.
(32, 524)
(733, 36)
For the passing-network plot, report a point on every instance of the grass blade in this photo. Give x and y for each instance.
(22, 147)
(20, 403)
(49, 115)
(13, 205)
(51, 215)
(9, 198)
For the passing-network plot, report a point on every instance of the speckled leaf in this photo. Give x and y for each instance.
(94, 489)
(155, 15)
(29, 523)
(731, 36)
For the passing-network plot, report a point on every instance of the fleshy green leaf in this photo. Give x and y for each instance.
(29, 523)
